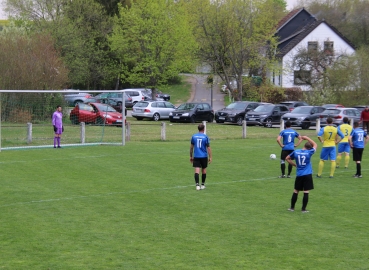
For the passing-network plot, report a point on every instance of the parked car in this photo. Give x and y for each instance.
(73, 97)
(235, 112)
(266, 115)
(155, 110)
(337, 114)
(293, 104)
(117, 97)
(111, 102)
(95, 113)
(333, 106)
(360, 107)
(192, 112)
(137, 94)
(303, 116)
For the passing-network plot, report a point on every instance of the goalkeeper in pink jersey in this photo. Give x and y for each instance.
(57, 121)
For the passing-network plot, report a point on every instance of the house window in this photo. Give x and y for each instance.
(302, 77)
(328, 47)
(312, 46)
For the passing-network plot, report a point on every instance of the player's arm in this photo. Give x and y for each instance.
(279, 141)
(366, 139)
(339, 136)
(290, 161)
(300, 140)
(210, 156)
(315, 146)
(350, 141)
(191, 153)
(320, 134)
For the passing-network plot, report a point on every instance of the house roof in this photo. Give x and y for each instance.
(298, 36)
(288, 17)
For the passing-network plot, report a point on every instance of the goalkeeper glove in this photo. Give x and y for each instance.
(55, 129)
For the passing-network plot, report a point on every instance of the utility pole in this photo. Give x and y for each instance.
(210, 81)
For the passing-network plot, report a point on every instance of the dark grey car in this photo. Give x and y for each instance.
(303, 116)
(117, 97)
(235, 112)
(266, 115)
(192, 112)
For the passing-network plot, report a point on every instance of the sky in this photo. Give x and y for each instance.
(290, 5)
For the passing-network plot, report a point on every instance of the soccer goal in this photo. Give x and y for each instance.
(26, 119)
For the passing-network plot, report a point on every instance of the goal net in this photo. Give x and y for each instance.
(26, 119)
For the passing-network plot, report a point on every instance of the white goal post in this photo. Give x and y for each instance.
(26, 115)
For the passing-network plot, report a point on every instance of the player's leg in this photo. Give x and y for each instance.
(357, 155)
(323, 157)
(297, 187)
(289, 166)
(204, 165)
(347, 159)
(196, 165)
(307, 186)
(284, 154)
(332, 157)
(305, 201)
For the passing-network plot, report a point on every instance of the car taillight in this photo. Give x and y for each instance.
(321, 116)
(147, 110)
(130, 99)
(143, 98)
(87, 96)
(337, 117)
(291, 109)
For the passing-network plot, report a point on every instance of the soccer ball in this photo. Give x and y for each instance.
(273, 156)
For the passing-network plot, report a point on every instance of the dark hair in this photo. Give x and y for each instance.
(308, 145)
(201, 127)
(288, 124)
(356, 124)
(345, 120)
(329, 120)
(58, 106)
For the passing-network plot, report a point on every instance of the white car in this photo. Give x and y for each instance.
(137, 94)
(154, 110)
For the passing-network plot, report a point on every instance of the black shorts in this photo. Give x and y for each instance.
(200, 162)
(357, 153)
(304, 182)
(285, 153)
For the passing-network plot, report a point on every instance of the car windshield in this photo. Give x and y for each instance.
(237, 106)
(141, 104)
(105, 107)
(264, 108)
(302, 110)
(186, 106)
(332, 111)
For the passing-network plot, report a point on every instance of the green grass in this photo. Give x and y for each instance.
(136, 207)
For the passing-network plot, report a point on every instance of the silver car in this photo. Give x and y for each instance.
(337, 115)
(154, 110)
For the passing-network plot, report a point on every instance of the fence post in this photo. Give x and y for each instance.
(244, 129)
(281, 128)
(351, 122)
(29, 133)
(83, 132)
(204, 123)
(128, 131)
(317, 125)
(163, 131)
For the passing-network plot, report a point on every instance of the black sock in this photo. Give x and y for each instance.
(283, 168)
(203, 178)
(294, 200)
(197, 179)
(305, 201)
(358, 168)
(289, 169)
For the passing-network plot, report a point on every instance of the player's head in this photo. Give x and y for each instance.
(308, 145)
(345, 120)
(201, 127)
(366, 108)
(58, 107)
(356, 124)
(329, 120)
(288, 124)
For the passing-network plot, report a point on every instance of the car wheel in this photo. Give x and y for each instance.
(268, 123)
(156, 117)
(74, 119)
(192, 119)
(100, 121)
(211, 119)
(305, 125)
(239, 120)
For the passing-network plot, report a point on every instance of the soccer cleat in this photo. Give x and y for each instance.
(346, 168)
(291, 209)
(197, 187)
(358, 176)
(288, 176)
(282, 176)
(319, 176)
(304, 211)
(59, 146)
(202, 186)
(331, 176)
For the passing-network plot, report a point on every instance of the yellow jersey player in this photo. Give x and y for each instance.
(344, 145)
(328, 136)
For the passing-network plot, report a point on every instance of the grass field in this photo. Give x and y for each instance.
(136, 207)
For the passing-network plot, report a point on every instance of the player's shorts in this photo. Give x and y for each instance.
(357, 153)
(344, 147)
(200, 162)
(328, 153)
(285, 153)
(59, 131)
(304, 182)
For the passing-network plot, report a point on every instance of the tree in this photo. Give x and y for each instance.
(235, 37)
(153, 41)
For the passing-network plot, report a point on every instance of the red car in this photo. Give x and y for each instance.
(95, 113)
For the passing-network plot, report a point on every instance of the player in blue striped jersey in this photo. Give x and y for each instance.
(358, 139)
(304, 172)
